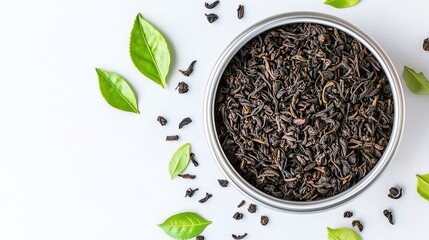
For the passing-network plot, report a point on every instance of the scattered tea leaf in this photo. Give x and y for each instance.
(172, 138)
(240, 11)
(190, 69)
(184, 225)
(184, 122)
(235, 237)
(241, 204)
(342, 3)
(237, 216)
(182, 87)
(252, 208)
(395, 193)
(149, 51)
(190, 192)
(389, 215)
(199, 237)
(207, 197)
(426, 44)
(180, 160)
(358, 224)
(211, 5)
(223, 183)
(264, 220)
(116, 91)
(416, 82)
(347, 214)
(343, 234)
(162, 120)
(187, 176)
(193, 159)
(211, 17)
(423, 186)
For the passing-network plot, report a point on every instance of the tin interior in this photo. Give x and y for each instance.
(209, 122)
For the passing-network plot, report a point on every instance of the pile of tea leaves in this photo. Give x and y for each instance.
(304, 111)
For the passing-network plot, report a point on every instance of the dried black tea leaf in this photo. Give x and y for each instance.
(240, 11)
(199, 237)
(304, 111)
(182, 87)
(348, 214)
(241, 204)
(426, 44)
(161, 120)
(211, 5)
(211, 17)
(395, 193)
(207, 197)
(358, 224)
(389, 215)
(190, 69)
(193, 160)
(264, 220)
(187, 176)
(184, 122)
(252, 208)
(237, 216)
(190, 192)
(239, 236)
(223, 182)
(172, 138)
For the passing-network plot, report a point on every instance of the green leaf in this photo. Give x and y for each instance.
(423, 186)
(116, 91)
(416, 82)
(343, 234)
(149, 51)
(184, 225)
(180, 160)
(341, 3)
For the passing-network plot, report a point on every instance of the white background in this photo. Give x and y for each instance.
(72, 167)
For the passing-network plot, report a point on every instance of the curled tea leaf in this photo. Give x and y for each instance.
(190, 192)
(416, 82)
(116, 91)
(184, 225)
(185, 122)
(211, 17)
(342, 3)
(236, 237)
(389, 215)
(423, 186)
(149, 51)
(395, 193)
(342, 234)
(348, 214)
(180, 160)
(189, 70)
(207, 197)
(211, 5)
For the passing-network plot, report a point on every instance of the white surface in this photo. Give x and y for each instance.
(72, 167)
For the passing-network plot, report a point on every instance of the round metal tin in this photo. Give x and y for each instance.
(209, 122)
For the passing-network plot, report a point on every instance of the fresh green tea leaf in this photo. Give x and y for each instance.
(116, 91)
(149, 51)
(416, 82)
(342, 234)
(180, 160)
(341, 3)
(423, 186)
(184, 225)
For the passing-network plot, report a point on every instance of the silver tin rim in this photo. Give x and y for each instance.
(209, 122)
